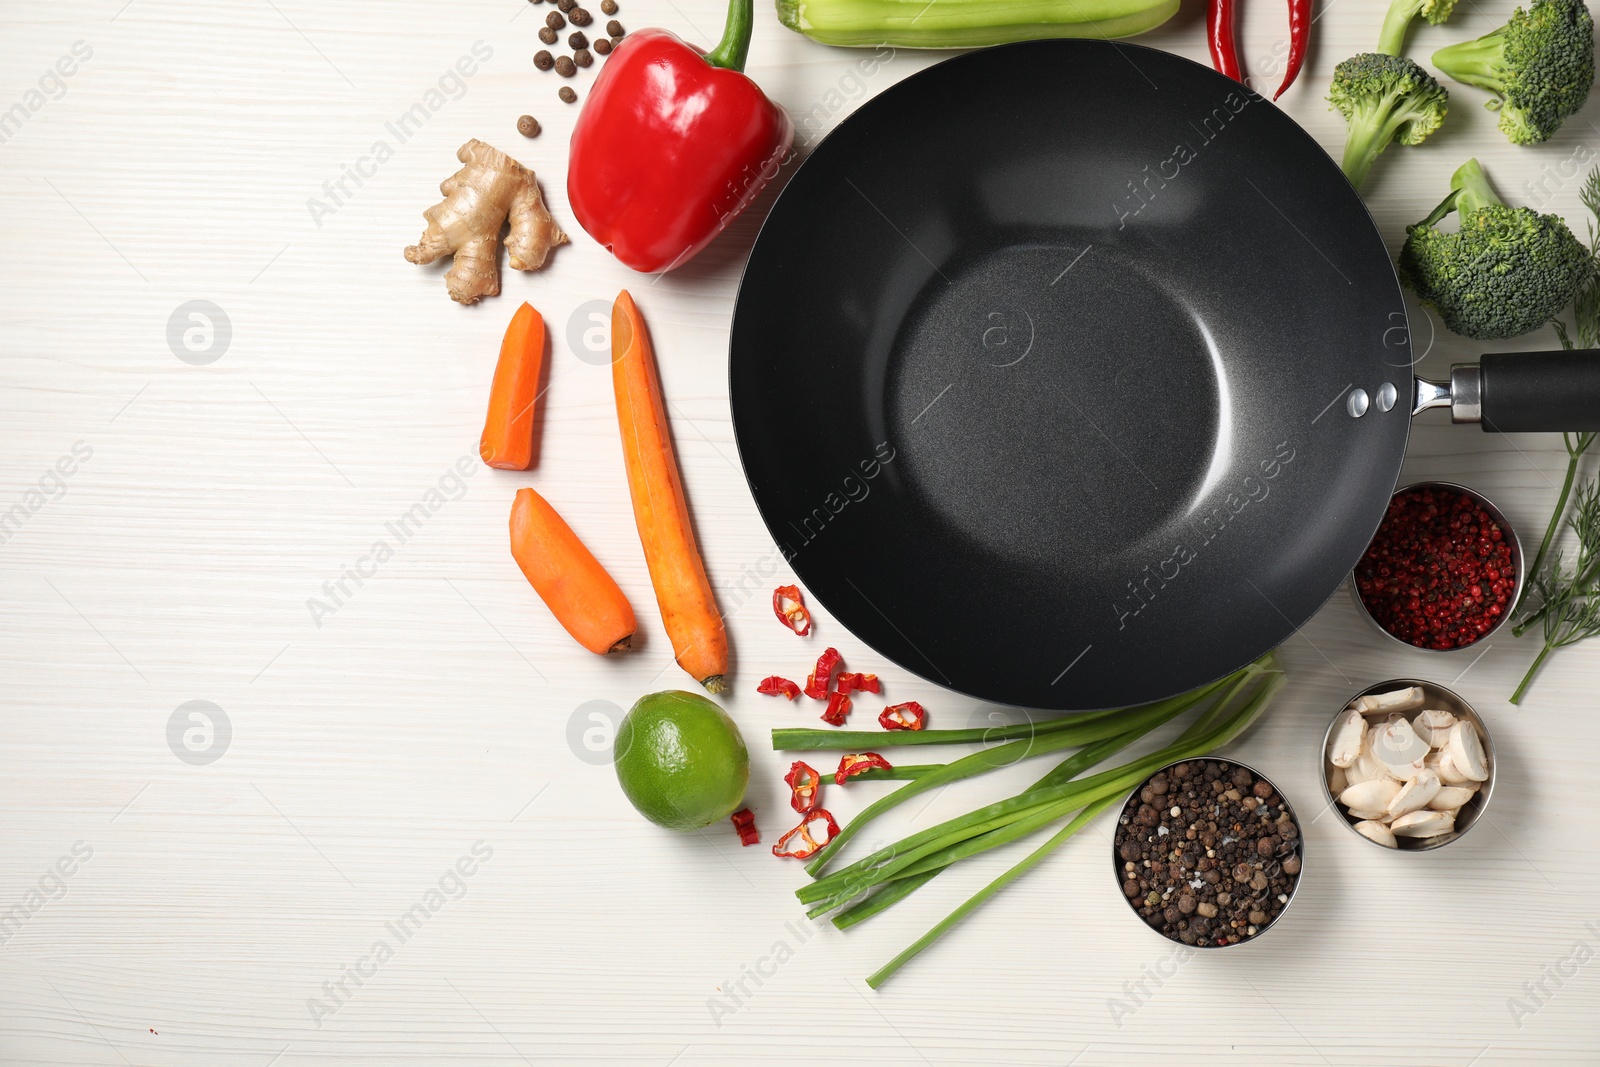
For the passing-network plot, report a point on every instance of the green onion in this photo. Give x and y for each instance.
(890, 874)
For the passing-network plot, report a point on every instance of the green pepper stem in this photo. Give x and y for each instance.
(734, 47)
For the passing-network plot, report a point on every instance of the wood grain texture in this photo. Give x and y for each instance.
(436, 707)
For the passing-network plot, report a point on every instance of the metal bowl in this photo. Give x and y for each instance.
(1511, 539)
(1131, 806)
(1436, 696)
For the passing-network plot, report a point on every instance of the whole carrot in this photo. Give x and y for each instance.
(688, 606)
(507, 440)
(567, 577)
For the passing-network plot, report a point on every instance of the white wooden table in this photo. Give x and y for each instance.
(437, 717)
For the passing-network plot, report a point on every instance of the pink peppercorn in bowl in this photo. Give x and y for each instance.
(1442, 572)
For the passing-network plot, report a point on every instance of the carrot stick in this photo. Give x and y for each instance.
(578, 591)
(507, 440)
(688, 606)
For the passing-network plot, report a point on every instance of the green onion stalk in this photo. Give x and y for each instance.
(876, 882)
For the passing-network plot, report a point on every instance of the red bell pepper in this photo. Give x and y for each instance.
(672, 144)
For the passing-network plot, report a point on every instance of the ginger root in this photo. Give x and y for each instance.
(478, 199)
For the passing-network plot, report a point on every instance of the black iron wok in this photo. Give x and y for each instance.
(1071, 374)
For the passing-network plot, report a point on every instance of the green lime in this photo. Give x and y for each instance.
(680, 760)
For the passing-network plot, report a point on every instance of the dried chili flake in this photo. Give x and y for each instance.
(790, 607)
(907, 716)
(805, 786)
(860, 683)
(859, 763)
(838, 708)
(801, 843)
(821, 678)
(778, 687)
(744, 821)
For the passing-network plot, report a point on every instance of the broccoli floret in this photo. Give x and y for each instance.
(1384, 98)
(1508, 270)
(1392, 37)
(1539, 65)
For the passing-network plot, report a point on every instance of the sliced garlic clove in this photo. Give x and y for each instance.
(1368, 816)
(1465, 750)
(1431, 724)
(1376, 831)
(1451, 797)
(1374, 795)
(1338, 781)
(1416, 794)
(1398, 748)
(1344, 747)
(1397, 700)
(1424, 823)
(1449, 773)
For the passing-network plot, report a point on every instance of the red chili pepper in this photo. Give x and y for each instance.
(1219, 35)
(838, 708)
(821, 678)
(672, 144)
(778, 687)
(744, 821)
(790, 607)
(861, 683)
(816, 817)
(907, 716)
(805, 786)
(859, 763)
(1299, 38)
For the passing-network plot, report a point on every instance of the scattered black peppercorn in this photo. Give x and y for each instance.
(614, 28)
(528, 126)
(580, 17)
(543, 59)
(566, 67)
(567, 95)
(547, 35)
(554, 20)
(578, 40)
(582, 57)
(608, 6)
(566, 5)
(602, 47)
(1206, 853)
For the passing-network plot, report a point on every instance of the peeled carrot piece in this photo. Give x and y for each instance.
(571, 582)
(688, 606)
(507, 440)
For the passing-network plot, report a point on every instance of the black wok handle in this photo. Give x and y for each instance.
(1523, 392)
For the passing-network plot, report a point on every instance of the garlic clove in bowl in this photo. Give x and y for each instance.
(1394, 700)
(1345, 747)
(1465, 750)
(1451, 797)
(1431, 724)
(1373, 795)
(1424, 823)
(1397, 746)
(1416, 794)
(1376, 831)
